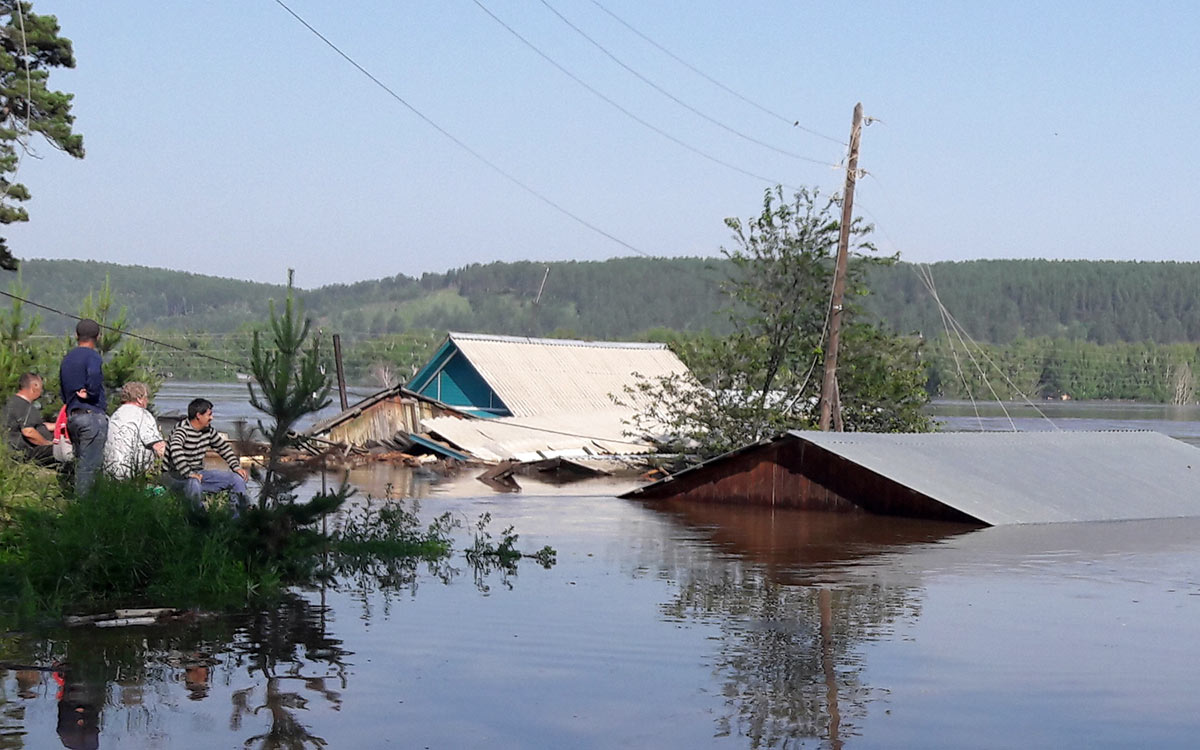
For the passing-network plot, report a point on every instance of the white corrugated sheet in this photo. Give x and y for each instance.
(1034, 477)
(564, 377)
(580, 435)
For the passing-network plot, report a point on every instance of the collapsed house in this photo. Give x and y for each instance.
(541, 398)
(982, 478)
(507, 398)
(391, 419)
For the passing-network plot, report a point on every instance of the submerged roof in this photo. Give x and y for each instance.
(563, 376)
(544, 436)
(1008, 478)
(1035, 477)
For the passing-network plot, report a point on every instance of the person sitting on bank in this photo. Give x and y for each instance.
(134, 440)
(188, 445)
(29, 436)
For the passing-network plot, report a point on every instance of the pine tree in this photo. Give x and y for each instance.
(30, 46)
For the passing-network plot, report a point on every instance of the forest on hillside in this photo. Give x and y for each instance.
(997, 301)
(1084, 329)
(1000, 301)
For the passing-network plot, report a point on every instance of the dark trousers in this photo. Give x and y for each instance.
(42, 455)
(88, 431)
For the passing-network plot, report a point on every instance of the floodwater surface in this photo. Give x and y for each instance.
(665, 626)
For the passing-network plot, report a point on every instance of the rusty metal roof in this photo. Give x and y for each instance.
(357, 408)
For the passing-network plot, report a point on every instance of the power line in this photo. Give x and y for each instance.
(626, 112)
(786, 120)
(676, 99)
(123, 332)
(456, 141)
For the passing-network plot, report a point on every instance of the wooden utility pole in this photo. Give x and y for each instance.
(341, 374)
(831, 403)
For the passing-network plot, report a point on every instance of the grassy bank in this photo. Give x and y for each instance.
(130, 544)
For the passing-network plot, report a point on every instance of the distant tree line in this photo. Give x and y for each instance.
(1087, 329)
(1045, 368)
(997, 301)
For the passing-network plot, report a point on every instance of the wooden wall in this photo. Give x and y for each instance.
(792, 473)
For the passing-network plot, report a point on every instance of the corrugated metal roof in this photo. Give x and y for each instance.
(1034, 477)
(562, 376)
(357, 408)
(544, 436)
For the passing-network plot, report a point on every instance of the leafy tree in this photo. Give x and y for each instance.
(882, 381)
(29, 47)
(759, 380)
(780, 291)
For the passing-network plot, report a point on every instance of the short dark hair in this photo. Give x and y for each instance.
(87, 330)
(198, 407)
(27, 379)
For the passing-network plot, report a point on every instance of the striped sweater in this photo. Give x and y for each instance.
(187, 447)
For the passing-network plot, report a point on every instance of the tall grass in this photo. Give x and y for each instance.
(125, 544)
(131, 544)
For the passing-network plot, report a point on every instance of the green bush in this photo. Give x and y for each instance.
(126, 544)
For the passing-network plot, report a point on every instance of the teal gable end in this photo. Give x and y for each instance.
(451, 379)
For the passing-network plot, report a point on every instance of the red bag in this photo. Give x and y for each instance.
(64, 452)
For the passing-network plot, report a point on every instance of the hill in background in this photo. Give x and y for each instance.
(997, 301)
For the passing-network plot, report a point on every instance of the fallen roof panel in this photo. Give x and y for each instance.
(530, 438)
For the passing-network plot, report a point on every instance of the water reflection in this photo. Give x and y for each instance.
(788, 658)
(290, 648)
(675, 627)
(116, 683)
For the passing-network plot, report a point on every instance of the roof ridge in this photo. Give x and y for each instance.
(463, 336)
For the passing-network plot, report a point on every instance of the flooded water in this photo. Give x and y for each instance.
(669, 626)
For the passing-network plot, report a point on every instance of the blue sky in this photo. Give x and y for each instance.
(223, 137)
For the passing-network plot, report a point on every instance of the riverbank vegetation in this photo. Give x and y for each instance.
(130, 543)
(1048, 368)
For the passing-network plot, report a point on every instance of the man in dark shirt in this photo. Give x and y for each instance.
(21, 418)
(82, 379)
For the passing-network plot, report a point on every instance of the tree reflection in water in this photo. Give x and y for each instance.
(792, 624)
(113, 683)
(290, 647)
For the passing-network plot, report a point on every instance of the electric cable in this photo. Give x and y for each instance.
(676, 99)
(613, 103)
(786, 120)
(123, 332)
(458, 142)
